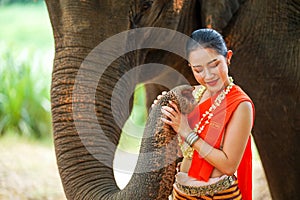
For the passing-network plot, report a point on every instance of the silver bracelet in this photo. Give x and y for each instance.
(191, 138)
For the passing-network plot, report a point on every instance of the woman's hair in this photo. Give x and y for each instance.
(206, 38)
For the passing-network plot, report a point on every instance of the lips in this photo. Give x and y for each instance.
(212, 83)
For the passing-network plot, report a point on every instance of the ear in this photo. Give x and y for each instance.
(228, 56)
(216, 14)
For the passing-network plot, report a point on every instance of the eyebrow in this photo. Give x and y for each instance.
(213, 60)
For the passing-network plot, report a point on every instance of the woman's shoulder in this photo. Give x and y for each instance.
(240, 92)
(242, 98)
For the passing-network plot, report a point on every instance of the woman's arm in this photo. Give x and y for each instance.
(236, 137)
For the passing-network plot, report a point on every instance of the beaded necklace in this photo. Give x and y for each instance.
(188, 151)
(208, 114)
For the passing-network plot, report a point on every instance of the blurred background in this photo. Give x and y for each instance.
(27, 160)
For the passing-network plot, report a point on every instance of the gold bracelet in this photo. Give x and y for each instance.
(187, 150)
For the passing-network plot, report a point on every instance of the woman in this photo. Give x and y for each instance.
(215, 137)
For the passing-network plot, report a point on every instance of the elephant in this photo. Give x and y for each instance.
(265, 38)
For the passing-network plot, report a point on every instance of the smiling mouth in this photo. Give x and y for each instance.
(212, 83)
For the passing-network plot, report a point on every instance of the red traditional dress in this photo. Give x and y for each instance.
(213, 134)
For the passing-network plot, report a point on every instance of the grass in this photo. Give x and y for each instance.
(28, 167)
(26, 57)
(24, 94)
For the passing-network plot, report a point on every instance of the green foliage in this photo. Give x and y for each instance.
(25, 70)
(24, 94)
(5, 2)
(26, 27)
(133, 129)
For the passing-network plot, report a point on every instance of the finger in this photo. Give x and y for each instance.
(166, 121)
(167, 113)
(164, 93)
(155, 101)
(174, 106)
(159, 97)
(169, 110)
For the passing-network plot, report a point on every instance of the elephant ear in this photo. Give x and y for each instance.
(216, 14)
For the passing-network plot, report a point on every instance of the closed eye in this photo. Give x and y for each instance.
(198, 68)
(213, 65)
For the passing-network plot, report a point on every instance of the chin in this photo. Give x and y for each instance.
(214, 89)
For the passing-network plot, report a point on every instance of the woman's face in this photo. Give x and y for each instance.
(210, 68)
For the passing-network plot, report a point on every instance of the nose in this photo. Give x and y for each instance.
(207, 73)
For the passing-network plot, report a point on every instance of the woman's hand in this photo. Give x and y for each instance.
(174, 118)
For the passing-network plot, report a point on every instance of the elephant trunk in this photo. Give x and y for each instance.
(86, 139)
(85, 144)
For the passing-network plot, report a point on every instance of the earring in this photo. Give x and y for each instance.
(228, 62)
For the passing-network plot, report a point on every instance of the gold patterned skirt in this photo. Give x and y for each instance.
(224, 188)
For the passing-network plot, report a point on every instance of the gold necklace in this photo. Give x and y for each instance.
(187, 150)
